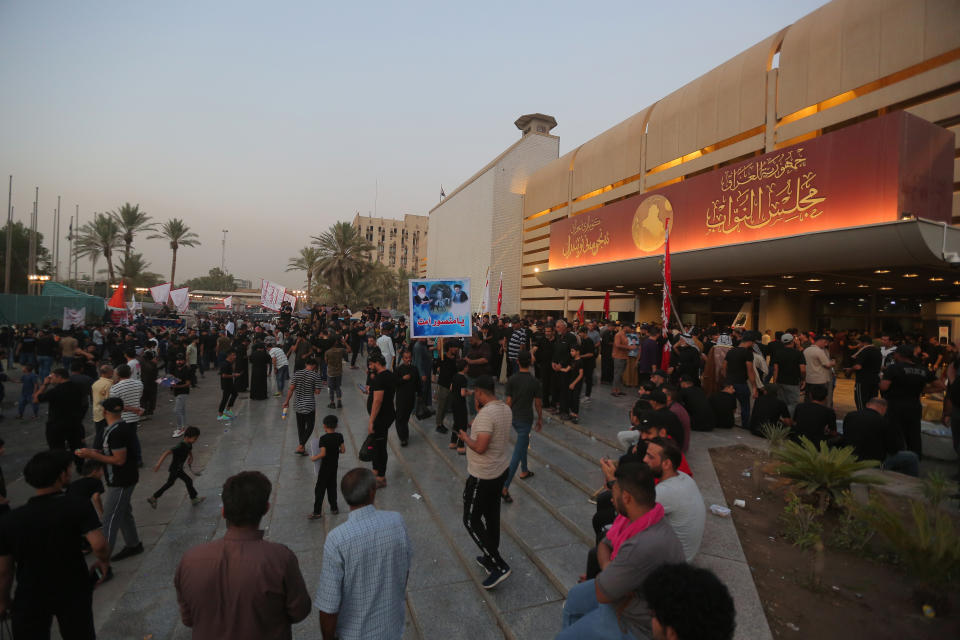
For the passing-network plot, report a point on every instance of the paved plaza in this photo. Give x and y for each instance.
(546, 531)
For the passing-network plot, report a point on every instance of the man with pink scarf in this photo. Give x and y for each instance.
(640, 540)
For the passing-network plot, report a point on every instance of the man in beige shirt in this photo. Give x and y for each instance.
(488, 461)
(68, 344)
(819, 371)
(101, 391)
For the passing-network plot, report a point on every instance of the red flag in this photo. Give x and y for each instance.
(665, 359)
(580, 312)
(500, 294)
(606, 306)
(117, 300)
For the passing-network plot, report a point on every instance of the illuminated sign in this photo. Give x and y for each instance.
(867, 173)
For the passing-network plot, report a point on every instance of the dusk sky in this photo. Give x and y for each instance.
(276, 119)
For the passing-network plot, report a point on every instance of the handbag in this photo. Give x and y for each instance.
(366, 449)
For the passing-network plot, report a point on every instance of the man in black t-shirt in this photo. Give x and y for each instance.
(543, 358)
(560, 359)
(873, 437)
(814, 419)
(768, 409)
(446, 369)
(724, 406)
(866, 367)
(408, 384)
(64, 426)
(903, 383)
(738, 370)
(41, 541)
(122, 475)
(382, 414)
(228, 387)
(788, 370)
(695, 401)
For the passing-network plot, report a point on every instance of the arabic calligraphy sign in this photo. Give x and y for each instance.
(863, 174)
(440, 308)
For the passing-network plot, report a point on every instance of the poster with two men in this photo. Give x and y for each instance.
(440, 308)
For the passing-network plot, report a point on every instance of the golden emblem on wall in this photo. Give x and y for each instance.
(649, 230)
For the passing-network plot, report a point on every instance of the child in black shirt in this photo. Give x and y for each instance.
(180, 455)
(458, 395)
(575, 375)
(326, 452)
(90, 486)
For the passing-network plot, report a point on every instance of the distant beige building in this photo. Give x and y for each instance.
(398, 244)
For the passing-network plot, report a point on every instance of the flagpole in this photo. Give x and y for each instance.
(8, 259)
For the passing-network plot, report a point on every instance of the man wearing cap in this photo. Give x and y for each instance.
(819, 370)
(488, 462)
(738, 371)
(902, 384)
(788, 369)
(121, 475)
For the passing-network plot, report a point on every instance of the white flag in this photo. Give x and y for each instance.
(228, 302)
(271, 294)
(180, 298)
(485, 300)
(160, 293)
(74, 317)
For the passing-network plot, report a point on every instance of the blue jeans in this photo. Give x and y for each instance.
(29, 358)
(519, 450)
(586, 619)
(22, 405)
(283, 377)
(906, 462)
(44, 364)
(742, 392)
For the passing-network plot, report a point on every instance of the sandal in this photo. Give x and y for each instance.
(505, 496)
(452, 445)
(525, 477)
(381, 483)
(462, 451)
(314, 516)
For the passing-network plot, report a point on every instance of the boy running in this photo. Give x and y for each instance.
(180, 454)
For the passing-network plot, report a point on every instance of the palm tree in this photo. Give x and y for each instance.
(131, 221)
(100, 237)
(342, 254)
(307, 261)
(133, 271)
(179, 235)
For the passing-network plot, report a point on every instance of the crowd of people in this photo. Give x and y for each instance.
(494, 384)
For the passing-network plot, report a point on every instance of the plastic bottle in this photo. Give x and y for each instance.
(283, 414)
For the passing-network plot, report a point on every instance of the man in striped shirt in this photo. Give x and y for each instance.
(281, 367)
(519, 341)
(304, 389)
(130, 391)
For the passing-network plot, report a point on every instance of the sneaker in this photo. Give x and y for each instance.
(128, 552)
(276, 395)
(441, 429)
(485, 563)
(152, 501)
(331, 406)
(178, 432)
(222, 417)
(588, 400)
(334, 510)
(339, 405)
(197, 500)
(229, 413)
(496, 577)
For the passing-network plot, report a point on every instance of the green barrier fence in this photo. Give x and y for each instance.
(21, 309)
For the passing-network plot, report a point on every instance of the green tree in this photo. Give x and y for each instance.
(131, 222)
(308, 261)
(178, 235)
(134, 272)
(342, 255)
(215, 280)
(100, 237)
(21, 254)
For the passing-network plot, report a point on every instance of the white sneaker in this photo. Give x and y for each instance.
(177, 433)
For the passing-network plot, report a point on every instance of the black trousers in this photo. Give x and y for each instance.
(481, 515)
(561, 394)
(546, 380)
(863, 392)
(573, 398)
(355, 346)
(326, 482)
(227, 398)
(606, 365)
(405, 404)
(305, 425)
(99, 426)
(74, 616)
(588, 379)
(64, 436)
(380, 448)
(908, 418)
(174, 475)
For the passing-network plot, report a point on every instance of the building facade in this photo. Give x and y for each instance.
(850, 70)
(477, 228)
(398, 244)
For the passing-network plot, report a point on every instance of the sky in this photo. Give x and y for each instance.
(276, 119)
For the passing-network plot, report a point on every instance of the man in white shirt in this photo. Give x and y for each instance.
(683, 506)
(819, 372)
(488, 462)
(385, 343)
(231, 328)
(281, 368)
(133, 363)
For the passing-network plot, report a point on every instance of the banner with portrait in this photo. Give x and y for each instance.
(440, 308)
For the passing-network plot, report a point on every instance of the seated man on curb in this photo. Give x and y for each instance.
(688, 603)
(873, 437)
(682, 503)
(657, 414)
(639, 541)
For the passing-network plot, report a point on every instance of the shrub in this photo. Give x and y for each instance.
(824, 472)
(776, 432)
(801, 525)
(936, 488)
(853, 532)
